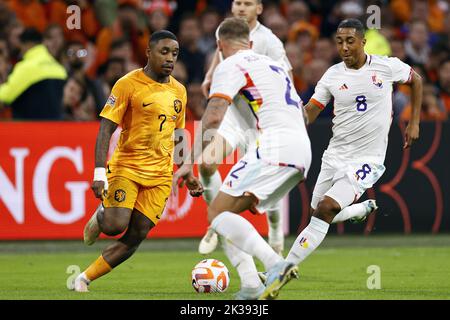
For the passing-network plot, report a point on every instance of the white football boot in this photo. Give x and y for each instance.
(81, 284)
(209, 242)
(371, 206)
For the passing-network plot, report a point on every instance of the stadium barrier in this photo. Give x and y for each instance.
(46, 170)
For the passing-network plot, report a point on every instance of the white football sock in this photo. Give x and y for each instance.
(308, 240)
(243, 263)
(211, 185)
(275, 222)
(243, 235)
(84, 277)
(355, 210)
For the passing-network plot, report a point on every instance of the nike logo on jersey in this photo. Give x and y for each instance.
(343, 87)
(146, 104)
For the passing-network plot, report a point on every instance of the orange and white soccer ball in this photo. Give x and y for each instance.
(210, 275)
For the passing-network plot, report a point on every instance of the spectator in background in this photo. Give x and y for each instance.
(158, 15)
(109, 73)
(444, 83)
(270, 9)
(324, 49)
(279, 26)
(125, 26)
(438, 54)
(196, 103)
(432, 106)
(428, 11)
(351, 9)
(33, 91)
(5, 67)
(6, 16)
(78, 104)
(304, 34)
(105, 12)
(180, 73)
(295, 57)
(13, 32)
(54, 41)
(31, 13)
(398, 50)
(312, 74)
(297, 11)
(209, 21)
(376, 43)
(416, 45)
(190, 54)
(122, 48)
(76, 66)
(5, 64)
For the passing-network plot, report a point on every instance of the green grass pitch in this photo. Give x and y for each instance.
(411, 267)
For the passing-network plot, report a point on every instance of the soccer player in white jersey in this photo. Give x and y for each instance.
(361, 86)
(234, 129)
(276, 162)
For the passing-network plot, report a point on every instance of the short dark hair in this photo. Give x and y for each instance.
(353, 23)
(160, 35)
(30, 35)
(234, 29)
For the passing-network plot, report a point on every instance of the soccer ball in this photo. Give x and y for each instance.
(210, 275)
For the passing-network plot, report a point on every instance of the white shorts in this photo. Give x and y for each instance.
(236, 130)
(345, 181)
(268, 183)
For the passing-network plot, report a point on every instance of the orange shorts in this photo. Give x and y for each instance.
(125, 193)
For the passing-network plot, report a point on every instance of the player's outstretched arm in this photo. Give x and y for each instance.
(208, 77)
(181, 157)
(312, 112)
(412, 130)
(100, 183)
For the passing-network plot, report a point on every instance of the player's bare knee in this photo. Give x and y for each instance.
(113, 228)
(327, 209)
(207, 170)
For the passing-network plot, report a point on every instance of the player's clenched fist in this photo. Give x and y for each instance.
(194, 186)
(192, 183)
(100, 184)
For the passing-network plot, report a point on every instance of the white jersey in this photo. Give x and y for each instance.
(260, 85)
(362, 106)
(266, 43)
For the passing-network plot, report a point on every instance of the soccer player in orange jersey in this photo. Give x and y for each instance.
(149, 105)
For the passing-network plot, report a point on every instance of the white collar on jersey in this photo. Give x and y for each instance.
(257, 25)
(367, 63)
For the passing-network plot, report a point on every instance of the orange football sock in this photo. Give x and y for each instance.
(97, 269)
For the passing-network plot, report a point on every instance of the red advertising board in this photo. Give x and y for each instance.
(46, 170)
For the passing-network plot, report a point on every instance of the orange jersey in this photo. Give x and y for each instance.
(148, 112)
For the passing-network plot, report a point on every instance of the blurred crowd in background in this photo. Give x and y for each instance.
(83, 64)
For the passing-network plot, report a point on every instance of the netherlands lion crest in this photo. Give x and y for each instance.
(120, 195)
(177, 105)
